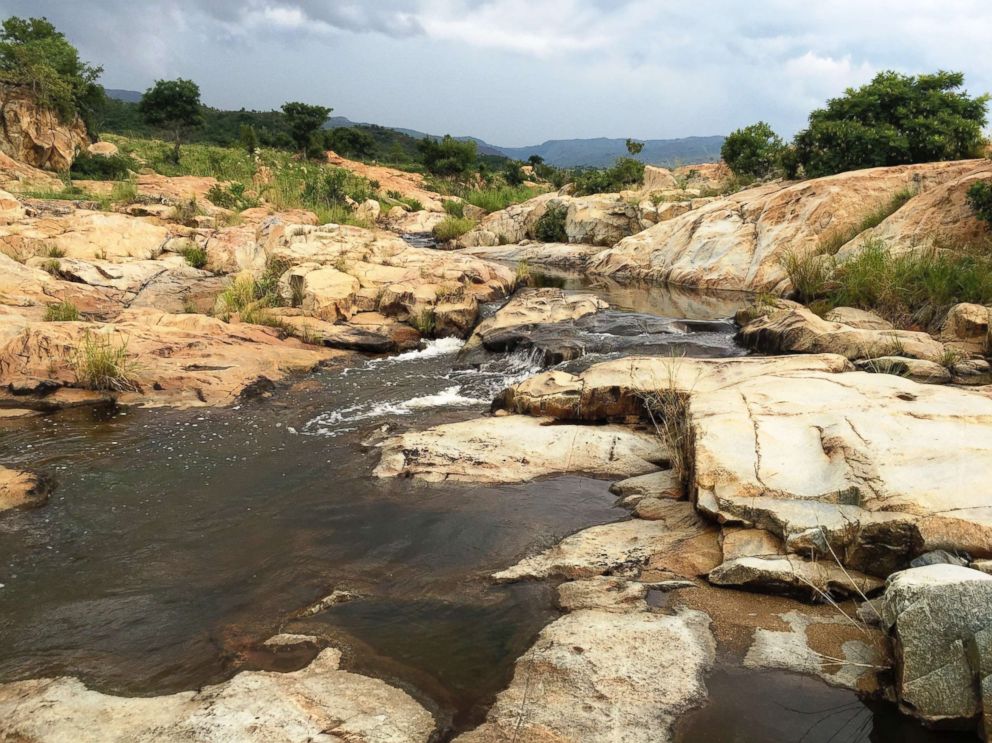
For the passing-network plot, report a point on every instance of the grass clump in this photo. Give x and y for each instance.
(52, 266)
(452, 228)
(251, 298)
(186, 212)
(235, 196)
(454, 208)
(101, 363)
(54, 251)
(424, 322)
(124, 192)
(550, 227)
(495, 198)
(834, 241)
(809, 274)
(522, 272)
(195, 255)
(64, 311)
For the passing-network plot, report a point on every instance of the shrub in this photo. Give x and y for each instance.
(64, 311)
(102, 364)
(448, 156)
(99, 168)
(893, 120)
(753, 151)
(187, 211)
(52, 266)
(454, 208)
(495, 198)
(980, 200)
(54, 251)
(550, 227)
(452, 228)
(625, 172)
(234, 196)
(195, 255)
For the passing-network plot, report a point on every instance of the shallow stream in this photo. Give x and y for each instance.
(177, 541)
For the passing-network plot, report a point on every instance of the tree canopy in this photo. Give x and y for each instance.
(893, 120)
(35, 54)
(448, 156)
(304, 120)
(753, 151)
(173, 105)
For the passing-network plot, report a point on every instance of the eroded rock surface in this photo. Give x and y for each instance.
(320, 702)
(517, 449)
(22, 489)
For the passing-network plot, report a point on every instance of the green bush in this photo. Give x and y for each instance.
(452, 228)
(454, 208)
(448, 156)
(625, 173)
(550, 227)
(495, 198)
(754, 151)
(195, 255)
(96, 167)
(895, 119)
(980, 200)
(235, 196)
(327, 186)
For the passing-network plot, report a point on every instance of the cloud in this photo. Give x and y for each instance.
(520, 71)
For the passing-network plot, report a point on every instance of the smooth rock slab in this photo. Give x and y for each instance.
(623, 547)
(793, 575)
(319, 703)
(600, 675)
(518, 449)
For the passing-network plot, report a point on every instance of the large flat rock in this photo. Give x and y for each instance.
(320, 702)
(517, 449)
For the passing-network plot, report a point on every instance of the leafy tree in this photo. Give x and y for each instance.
(173, 105)
(513, 175)
(304, 121)
(754, 151)
(33, 53)
(535, 160)
(248, 138)
(448, 156)
(634, 147)
(624, 173)
(350, 141)
(980, 200)
(893, 120)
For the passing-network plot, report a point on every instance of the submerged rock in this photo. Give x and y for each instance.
(22, 489)
(320, 702)
(517, 449)
(941, 621)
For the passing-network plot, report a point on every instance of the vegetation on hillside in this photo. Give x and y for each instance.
(896, 119)
(36, 55)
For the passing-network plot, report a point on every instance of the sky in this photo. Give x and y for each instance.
(519, 72)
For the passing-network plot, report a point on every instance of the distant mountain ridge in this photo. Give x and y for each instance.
(596, 152)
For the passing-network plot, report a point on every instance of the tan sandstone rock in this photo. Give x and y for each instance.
(319, 702)
(22, 489)
(35, 135)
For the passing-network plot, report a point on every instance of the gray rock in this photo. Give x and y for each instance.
(940, 617)
(939, 557)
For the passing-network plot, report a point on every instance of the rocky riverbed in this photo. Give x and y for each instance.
(422, 495)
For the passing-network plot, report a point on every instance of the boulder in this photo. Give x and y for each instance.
(663, 484)
(600, 219)
(940, 620)
(968, 328)
(603, 674)
(36, 135)
(319, 702)
(418, 222)
(511, 225)
(85, 235)
(22, 489)
(856, 318)
(517, 449)
(368, 331)
(323, 292)
(620, 548)
(368, 211)
(558, 255)
(658, 179)
(738, 241)
(971, 372)
(797, 330)
(103, 149)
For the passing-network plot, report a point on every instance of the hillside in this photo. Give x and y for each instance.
(601, 151)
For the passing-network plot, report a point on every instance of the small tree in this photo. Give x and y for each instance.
(634, 147)
(894, 120)
(980, 200)
(753, 151)
(304, 120)
(535, 160)
(33, 53)
(513, 175)
(448, 156)
(350, 141)
(173, 105)
(248, 139)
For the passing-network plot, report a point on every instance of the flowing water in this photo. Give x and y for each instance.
(177, 541)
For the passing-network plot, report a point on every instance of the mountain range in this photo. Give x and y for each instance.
(595, 152)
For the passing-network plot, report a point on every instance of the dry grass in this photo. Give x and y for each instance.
(64, 311)
(101, 363)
